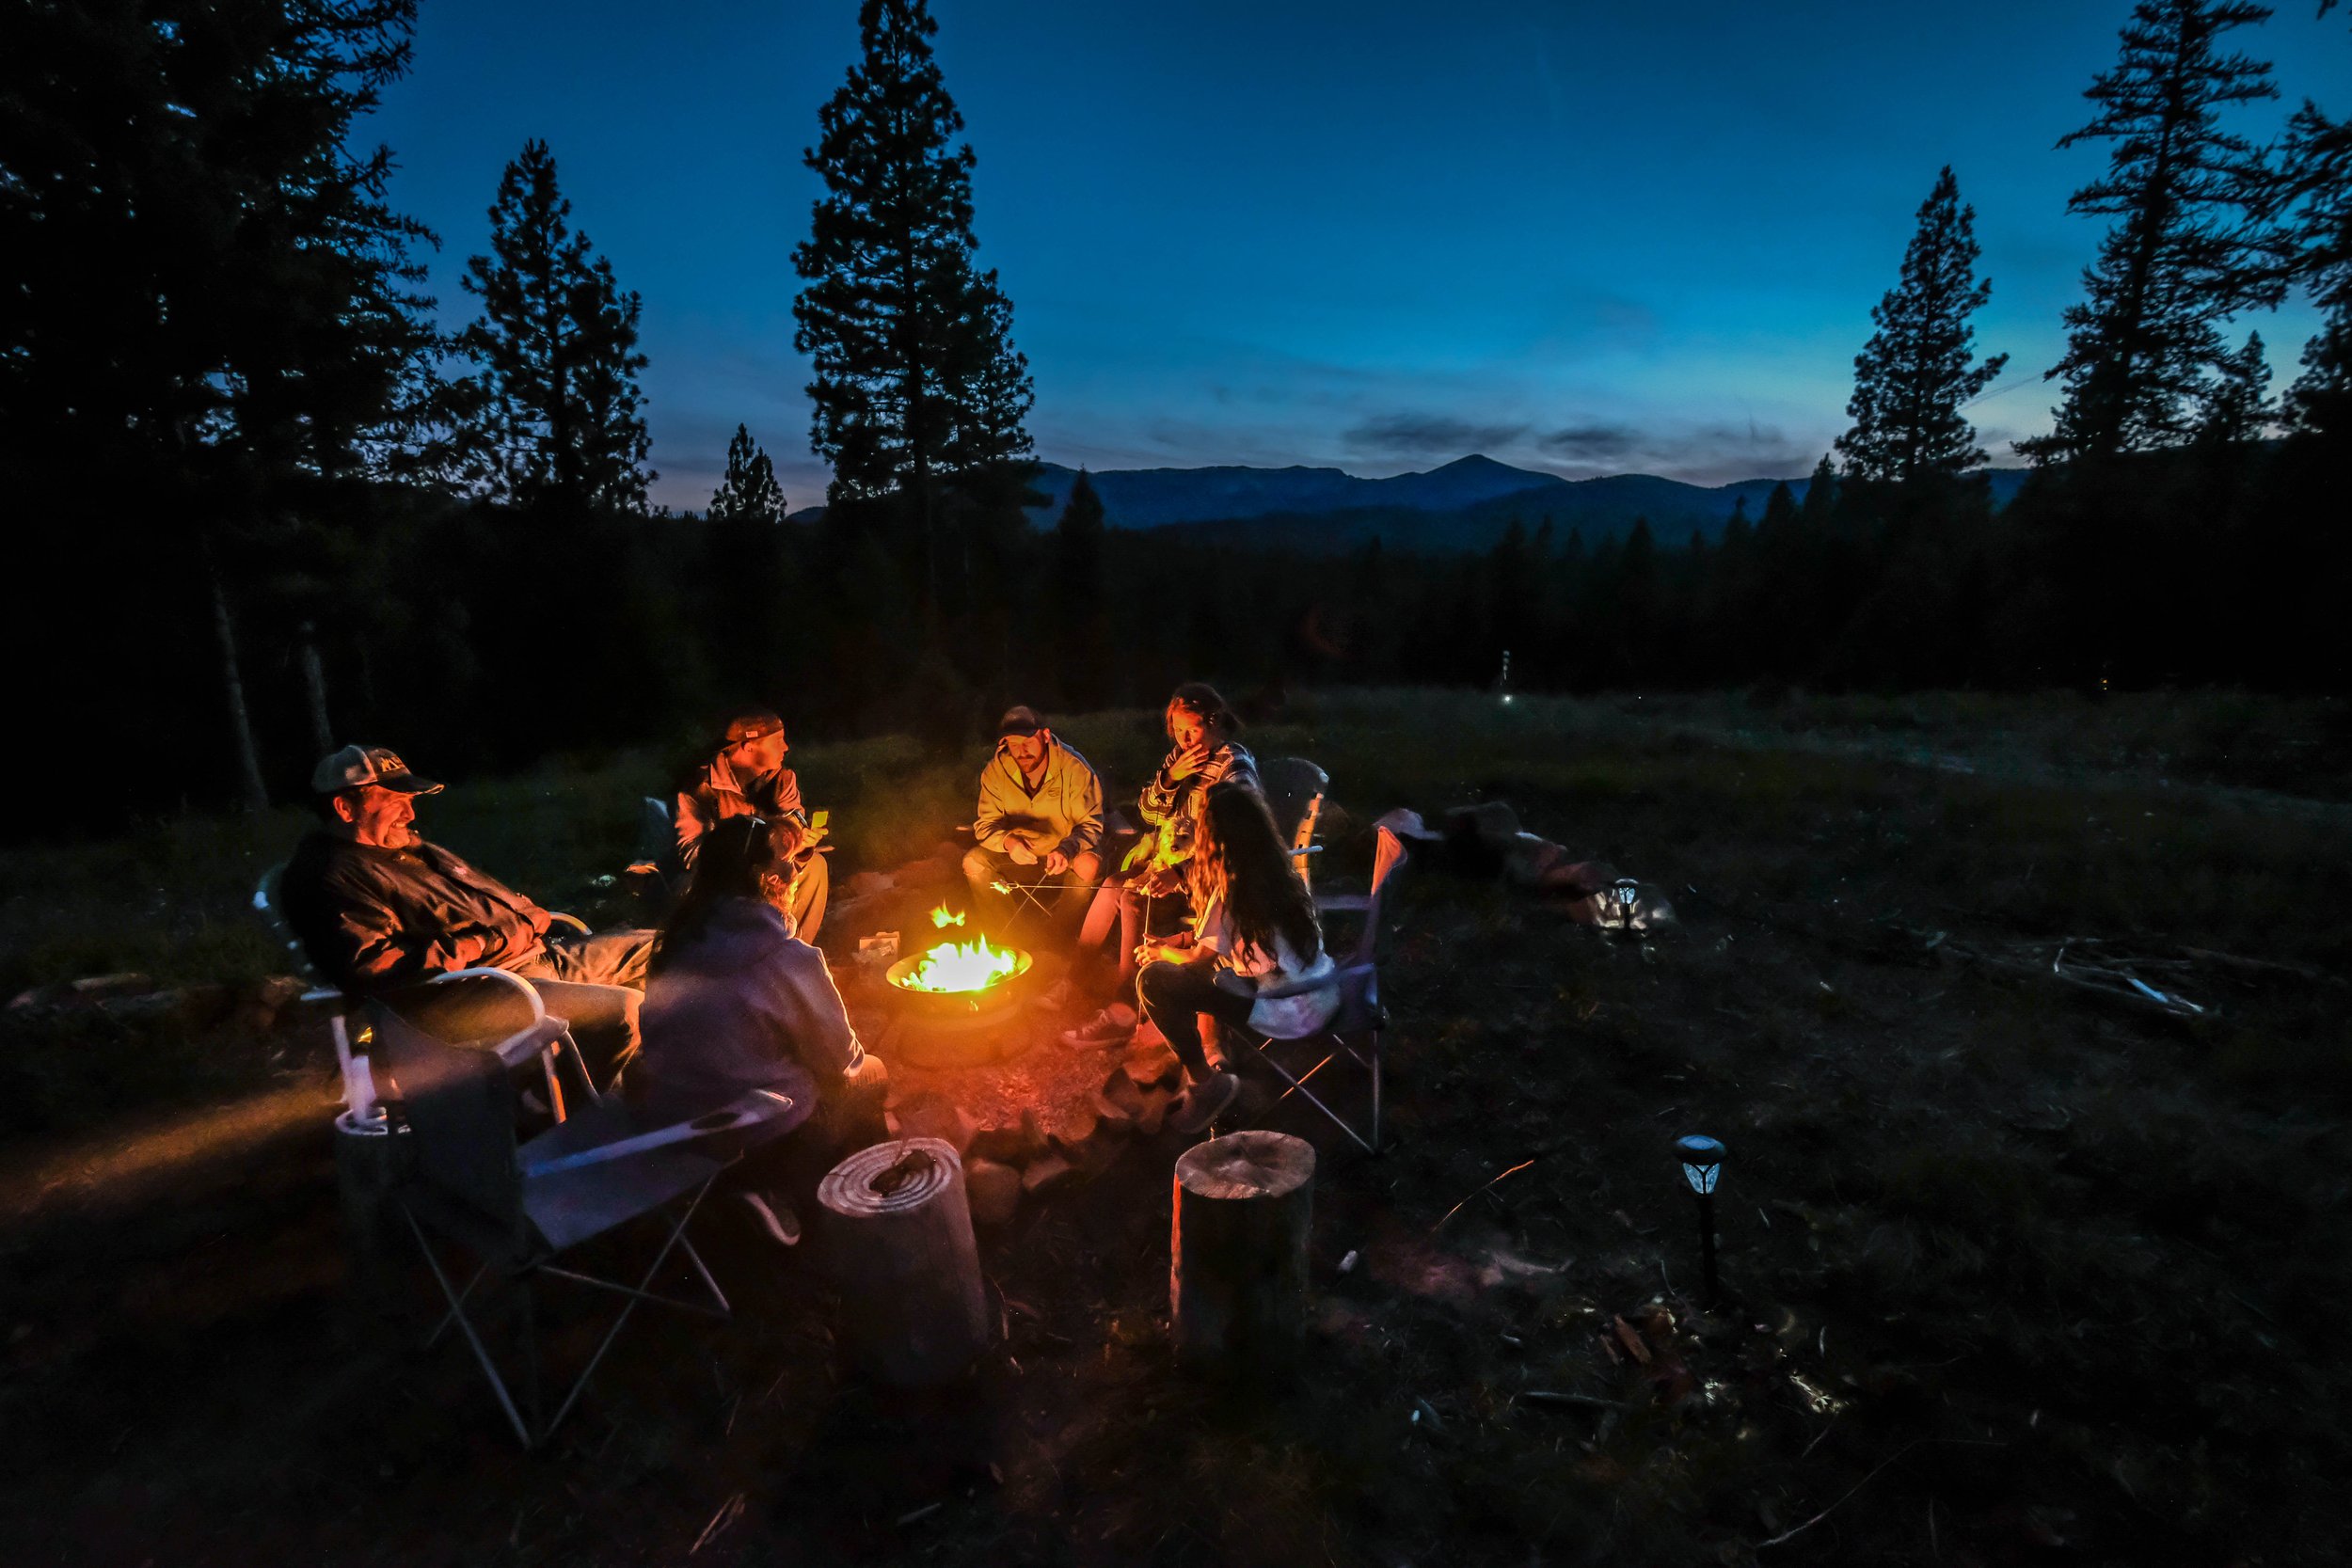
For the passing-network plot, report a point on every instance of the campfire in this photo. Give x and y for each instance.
(956, 996)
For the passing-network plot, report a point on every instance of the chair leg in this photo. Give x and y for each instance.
(450, 1316)
(1376, 1144)
(677, 1233)
(1299, 1086)
(465, 1324)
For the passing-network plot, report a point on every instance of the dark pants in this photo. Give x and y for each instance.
(849, 1117)
(1174, 996)
(592, 983)
(1061, 904)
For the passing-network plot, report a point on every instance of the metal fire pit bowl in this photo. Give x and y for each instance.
(959, 1028)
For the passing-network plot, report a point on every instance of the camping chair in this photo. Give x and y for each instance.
(1294, 792)
(360, 1098)
(1356, 1029)
(521, 1208)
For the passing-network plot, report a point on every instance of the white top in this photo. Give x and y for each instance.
(1282, 1018)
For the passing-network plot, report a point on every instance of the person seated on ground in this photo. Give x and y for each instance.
(1254, 928)
(378, 909)
(746, 777)
(1148, 891)
(738, 1002)
(1040, 819)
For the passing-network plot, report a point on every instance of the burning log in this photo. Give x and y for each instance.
(1237, 1280)
(907, 1264)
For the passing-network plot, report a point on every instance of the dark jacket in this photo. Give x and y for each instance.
(745, 1005)
(717, 792)
(374, 919)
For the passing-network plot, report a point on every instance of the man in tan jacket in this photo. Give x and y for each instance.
(1040, 821)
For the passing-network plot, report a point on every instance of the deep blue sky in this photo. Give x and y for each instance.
(1369, 233)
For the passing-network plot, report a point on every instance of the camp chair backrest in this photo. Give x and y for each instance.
(1388, 857)
(460, 1107)
(1293, 787)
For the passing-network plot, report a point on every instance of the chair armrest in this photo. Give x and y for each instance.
(530, 992)
(1305, 849)
(557, 917)
(1308, 988)
(527, 1042)
(754, 1109)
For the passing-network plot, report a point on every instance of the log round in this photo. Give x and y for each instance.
(1237, 1269)
(899, 1229)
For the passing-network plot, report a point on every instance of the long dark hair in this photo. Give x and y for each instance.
(1238, 853)
(1200, 700)
(739, 859)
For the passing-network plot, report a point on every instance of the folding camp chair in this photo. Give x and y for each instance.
(1355, 1030)
(1294, 793)
(519, 1209)
(360, 1097)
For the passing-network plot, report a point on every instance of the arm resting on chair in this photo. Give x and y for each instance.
(1308, 988)
(752, 1110)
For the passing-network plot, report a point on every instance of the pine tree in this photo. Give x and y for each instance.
(1913, 377)
(553, 417)
(1080, 605)
(915, 377)
(2237, 406)
(749, 493)
(1820, 499)
(2187, 251)
(210, 337)
(2316, 194)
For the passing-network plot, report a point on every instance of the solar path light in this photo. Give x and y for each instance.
(1702, 1160)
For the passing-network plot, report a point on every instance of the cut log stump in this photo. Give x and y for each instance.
(1237, 1273)
(900, 1235)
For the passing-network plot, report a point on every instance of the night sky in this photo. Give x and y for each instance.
(1379, 236)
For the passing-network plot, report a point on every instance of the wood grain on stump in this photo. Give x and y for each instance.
(900, 1232)
(1237, 1273)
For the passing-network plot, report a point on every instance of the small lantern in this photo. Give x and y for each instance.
(1624, 900)
(1702, 1160)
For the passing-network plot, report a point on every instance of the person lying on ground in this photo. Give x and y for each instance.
(736, 1002)
(1039, 818)
(1146, 897)
(746, 777)
(379, 910)
(1254, 928)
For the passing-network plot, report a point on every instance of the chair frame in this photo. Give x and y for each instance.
(526, 1258)
(1360, 974)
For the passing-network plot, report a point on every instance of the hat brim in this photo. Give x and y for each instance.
(409, 783)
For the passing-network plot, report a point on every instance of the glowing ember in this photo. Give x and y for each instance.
(941, 917)
(961, 966)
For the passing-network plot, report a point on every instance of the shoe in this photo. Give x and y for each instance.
(1103, 1028)
(774, 1216)
(1203, 1102)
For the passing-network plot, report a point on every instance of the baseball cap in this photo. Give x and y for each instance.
(1019, 721)
(357, 767)
(751, 724)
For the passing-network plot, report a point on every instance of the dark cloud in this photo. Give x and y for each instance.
(1589, 442)
(1428, 435)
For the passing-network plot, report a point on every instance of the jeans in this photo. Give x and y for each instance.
(1174, 995)
(1061, 903)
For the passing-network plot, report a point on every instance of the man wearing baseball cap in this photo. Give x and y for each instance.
(378, 909)
(746, 777)
(1040, 819)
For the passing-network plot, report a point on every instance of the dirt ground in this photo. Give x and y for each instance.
(2010, 1272)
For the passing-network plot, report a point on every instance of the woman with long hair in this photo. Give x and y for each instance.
(1254, 929)
(734, 1001)
(1202, 753)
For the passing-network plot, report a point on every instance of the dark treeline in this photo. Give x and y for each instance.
(257, 505)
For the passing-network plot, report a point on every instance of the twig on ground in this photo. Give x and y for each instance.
(1865, 1480)
(1549, 1396)
(1457, 1208)
(728, 1513)
(918, 1516)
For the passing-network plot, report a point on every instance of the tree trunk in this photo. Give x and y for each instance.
(900, 1234)
(255, 793)
(1237, 1276)
(314, 688)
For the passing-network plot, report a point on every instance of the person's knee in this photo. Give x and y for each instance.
(1086, 869)
(978, 869)
(1156, 982)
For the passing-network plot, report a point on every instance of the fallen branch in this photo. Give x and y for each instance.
(1457, 1208)
(728, 1513)
(1549, 1396)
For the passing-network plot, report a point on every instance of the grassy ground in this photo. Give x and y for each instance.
(2010, 1275)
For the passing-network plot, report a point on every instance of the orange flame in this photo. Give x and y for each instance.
(959, 966)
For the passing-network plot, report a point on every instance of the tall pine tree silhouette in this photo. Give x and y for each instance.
(2186, 250)
(917, 382)
(1081, 607)
(553, 417)
(2316, 194)
(1914, 374)
(749, 491)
